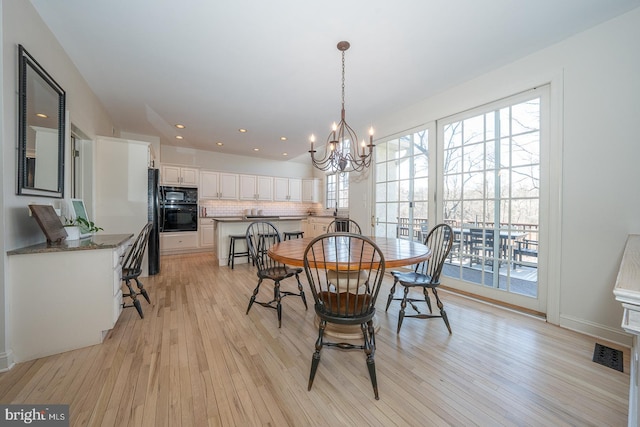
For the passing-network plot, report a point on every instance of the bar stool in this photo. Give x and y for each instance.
(288, 235)
(232, 249)
(266, 240)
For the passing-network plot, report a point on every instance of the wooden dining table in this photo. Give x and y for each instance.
(396, 252)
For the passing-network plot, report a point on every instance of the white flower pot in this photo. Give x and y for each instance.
(73, 232)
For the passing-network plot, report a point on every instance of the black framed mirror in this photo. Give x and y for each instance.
(41, 130)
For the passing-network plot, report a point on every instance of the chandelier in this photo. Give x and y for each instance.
(341, 150)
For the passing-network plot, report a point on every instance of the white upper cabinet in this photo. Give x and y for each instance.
(295, 190)
(287, 189)
(254, 187)
(218, 185)
(311, 190)
(178, 175)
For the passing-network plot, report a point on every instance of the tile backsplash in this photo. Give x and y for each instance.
(237, 208)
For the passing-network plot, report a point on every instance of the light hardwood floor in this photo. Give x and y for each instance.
(196, 359)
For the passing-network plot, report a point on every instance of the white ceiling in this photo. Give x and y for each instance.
(272, 67)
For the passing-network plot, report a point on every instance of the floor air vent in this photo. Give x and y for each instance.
(607, 356)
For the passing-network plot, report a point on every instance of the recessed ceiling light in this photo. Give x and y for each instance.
(179, 137)
(256, 149)
(44, 116)
(285, 154)
(283, 138)
(179, 126)
(219, 144)
(242, 130)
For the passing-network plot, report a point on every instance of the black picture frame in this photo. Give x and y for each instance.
(38, 93)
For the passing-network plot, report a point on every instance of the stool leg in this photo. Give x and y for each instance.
(233, 254)
(230, 255)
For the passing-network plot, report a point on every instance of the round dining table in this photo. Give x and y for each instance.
(397, 253)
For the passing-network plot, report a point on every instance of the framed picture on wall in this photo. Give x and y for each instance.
(79, 210)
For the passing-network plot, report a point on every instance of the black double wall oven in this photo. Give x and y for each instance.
(178, 209)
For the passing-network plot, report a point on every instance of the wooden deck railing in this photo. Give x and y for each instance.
(403, 227)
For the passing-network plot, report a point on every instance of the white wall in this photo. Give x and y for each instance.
(595, 86)
(22, 25)
(233, 163)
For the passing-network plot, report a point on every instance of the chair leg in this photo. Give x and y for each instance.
(143, 291)
(301, 291)
(442, 312)
(136, 303)
(391, 292)
(134, 299)
(403, 305)
(253, 297)
(278, 299)
(315, 360)
(369, 349)
(427, 299)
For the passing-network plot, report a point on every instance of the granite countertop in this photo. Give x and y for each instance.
(238, 218)
(256, 218)
(97, 241)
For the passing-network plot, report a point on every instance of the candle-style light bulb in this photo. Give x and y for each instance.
(312, 139)
(364, 144)
(371, 135)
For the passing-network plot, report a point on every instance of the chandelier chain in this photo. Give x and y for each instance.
(343, 79)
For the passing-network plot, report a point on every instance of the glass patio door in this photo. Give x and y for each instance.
(486, 175)
(490, 195)
(401, 189)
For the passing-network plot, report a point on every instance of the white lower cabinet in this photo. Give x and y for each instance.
(178, 242)
(69, 300)
(206, 232)
(317, 226)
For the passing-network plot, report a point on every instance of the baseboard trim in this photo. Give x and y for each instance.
(616, 336)
(6, 361)
(494, 302)
(612, 335)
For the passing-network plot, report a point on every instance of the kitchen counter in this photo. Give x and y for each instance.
(270, 217)
(256, 218)
(97, 241)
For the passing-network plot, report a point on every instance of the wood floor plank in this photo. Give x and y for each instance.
(198, 359)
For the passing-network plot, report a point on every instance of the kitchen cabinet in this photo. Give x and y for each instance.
(253, 187)
(182, 241)
(43, 319)
(206, 231)
(178, 175)
(121, 193)
(311, 190)
(317, 226)
(287, 190)
(218, 185)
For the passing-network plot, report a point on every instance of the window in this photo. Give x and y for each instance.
(337, 184)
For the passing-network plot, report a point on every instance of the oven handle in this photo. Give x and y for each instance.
(161, 219)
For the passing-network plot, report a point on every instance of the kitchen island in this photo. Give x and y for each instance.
(225, 226)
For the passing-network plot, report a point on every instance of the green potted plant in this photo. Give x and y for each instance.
(79, 227)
